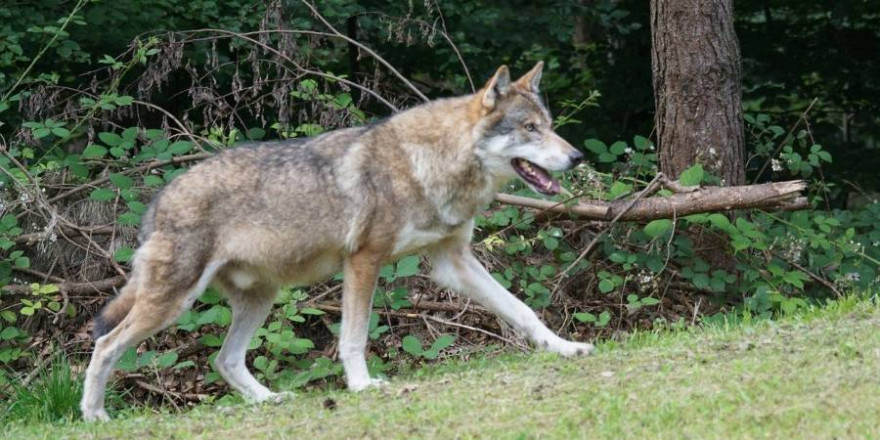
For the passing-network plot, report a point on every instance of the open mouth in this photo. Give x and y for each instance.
(538, 178)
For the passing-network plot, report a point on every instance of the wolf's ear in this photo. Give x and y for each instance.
(532, 79)
(497, 87)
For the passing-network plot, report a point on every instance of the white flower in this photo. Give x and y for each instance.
(776, 165)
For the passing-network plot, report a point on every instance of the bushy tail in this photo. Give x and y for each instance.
(115, 311)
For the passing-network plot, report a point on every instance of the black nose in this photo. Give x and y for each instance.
(576, 158)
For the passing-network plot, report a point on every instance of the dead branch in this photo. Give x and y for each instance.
(99, 286)
(768, 196)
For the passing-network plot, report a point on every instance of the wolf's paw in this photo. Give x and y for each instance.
(569, 348)
(279, 398)
(95, 415)
(367, 384)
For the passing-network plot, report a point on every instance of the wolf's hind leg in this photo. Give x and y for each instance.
(360, 275)
(250, 307)
(148, 315)
(163, 290)
(457, 268)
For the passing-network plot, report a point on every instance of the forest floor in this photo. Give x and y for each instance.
(813, 375)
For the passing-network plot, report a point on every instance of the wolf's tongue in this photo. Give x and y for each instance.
(537, 177)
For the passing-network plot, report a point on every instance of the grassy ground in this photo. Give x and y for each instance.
(810, 376)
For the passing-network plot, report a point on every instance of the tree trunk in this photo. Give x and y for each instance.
(697, 91)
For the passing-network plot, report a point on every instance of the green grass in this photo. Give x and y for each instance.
(815, 375)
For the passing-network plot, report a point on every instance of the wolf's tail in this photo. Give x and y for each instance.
(115, 311)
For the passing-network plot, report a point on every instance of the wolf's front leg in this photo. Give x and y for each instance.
(456, 268)
(361, 271)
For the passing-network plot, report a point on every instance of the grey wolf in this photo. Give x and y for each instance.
(255, 217)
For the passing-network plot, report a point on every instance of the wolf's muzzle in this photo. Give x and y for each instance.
(575, 158)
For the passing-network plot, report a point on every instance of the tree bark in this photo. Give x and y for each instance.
(697, 88)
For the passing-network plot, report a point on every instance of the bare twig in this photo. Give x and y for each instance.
(367, 50)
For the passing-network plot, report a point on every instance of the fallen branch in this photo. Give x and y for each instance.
(768, 196)
(99, 286)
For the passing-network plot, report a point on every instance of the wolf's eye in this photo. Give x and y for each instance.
(530, 127)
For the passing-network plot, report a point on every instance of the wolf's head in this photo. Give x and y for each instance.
(515, 132)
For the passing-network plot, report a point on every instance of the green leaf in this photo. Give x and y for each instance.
(153, 181)
(102, 194)
(412, 345)
(650, 301)
(153, 134)
(310, 311)
(606, 286)
(41, 132)
(408, 266)
(117, 152)
(8, 316)
(61, 132)
(692, 176)
(110, 139)
(642, 143)
(585, 317)
(442, 342)
(123, 254)
(256, 133)
(137, 207)
(121, 180)
(721, 221)
(22, 262)
(596, 146)
(167, 359)
(619, 189)
(618, 148)
(94, 151)
(180, 147)
(130, 134)
(212, 340)
(8, 333)
(658, 228)
(607, 158)
(129, 218)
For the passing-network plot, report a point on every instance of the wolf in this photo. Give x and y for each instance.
(255, 217)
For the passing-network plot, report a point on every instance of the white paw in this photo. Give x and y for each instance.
(362, 385)
(278, 398)
(273, 398)
(569, 348)
(95, 415)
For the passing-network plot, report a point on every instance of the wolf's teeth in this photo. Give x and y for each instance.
(548, 185)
